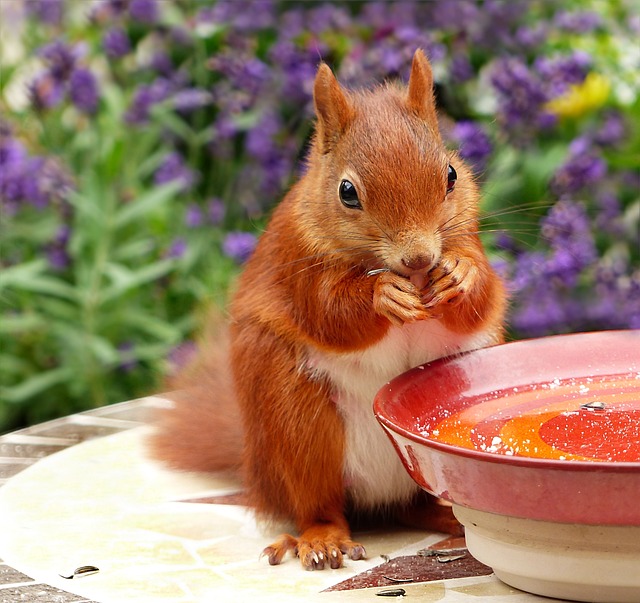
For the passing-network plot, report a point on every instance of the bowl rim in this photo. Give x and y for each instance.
(384, 399)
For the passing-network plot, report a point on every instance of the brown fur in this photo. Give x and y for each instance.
(306, 288)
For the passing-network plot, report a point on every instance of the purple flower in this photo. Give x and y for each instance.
(56, 251)
(612, 131)
(609, 217)
(25, 179)
(173, 169)
(531, 37)
(54, 182)
(47, 11)
(244, 15)
(584, 167)
(60, 59)
(456, 15)
(475, 145)
(12, 151)
(578, 22)
(45, 92)
(239, 245)
(217, 211)
(542, 313)
(559, 72)
(144, 11)
(260, 139)
(193, 216)
(568, 231)
(117, 7)
(116, 43)
(190, 99)
(528, 269)
(461, 68)
(83, 89)
(298, 67)
(521, 94)
(58, 259)
(177, 248)
(145, 97)
(162, 64)
(225, 126)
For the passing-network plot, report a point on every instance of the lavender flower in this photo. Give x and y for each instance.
(475, 145)
(57, 250)
(46, 11)
(191, 99)
(298, 68)
(260, 139)
(177, 248)
(239, 245)
(559, 72)
(83, 89)
(45, 92)
(520, 93)
(193, 216)
(461, 68)
(61, 59)
(542, 312)
(144, 11)
(20, 176)
(216, 211)
(578, 22)
(584, 167)
(531, 37)
(173, 169)
(612, 131)
(244, 15)
(145, 97)
(116, 43)
(609, 216)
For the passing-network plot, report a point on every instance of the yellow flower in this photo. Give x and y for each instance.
(581, 98)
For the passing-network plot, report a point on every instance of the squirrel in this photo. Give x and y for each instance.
(370, 265)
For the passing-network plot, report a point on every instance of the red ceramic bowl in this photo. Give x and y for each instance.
(544, 429)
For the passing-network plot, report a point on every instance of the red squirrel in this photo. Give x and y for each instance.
(370, 265)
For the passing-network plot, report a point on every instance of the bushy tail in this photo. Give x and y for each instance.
(202, 431)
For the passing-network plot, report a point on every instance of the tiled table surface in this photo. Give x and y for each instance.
(80, 491)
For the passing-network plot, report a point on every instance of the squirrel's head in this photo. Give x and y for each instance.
(386, 184)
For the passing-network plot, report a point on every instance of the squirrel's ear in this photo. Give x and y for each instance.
(420, 96)
(332, 108)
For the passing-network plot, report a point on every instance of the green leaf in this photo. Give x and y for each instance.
(12, 365)
(15, 324)
(146, 203)
(35, 385)
(163, 112)
(146, 323)
(21, 272)
(124, 279)
(136, 249)
(45, 285)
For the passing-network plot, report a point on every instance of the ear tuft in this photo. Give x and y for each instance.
(420, 98)
(332, 107)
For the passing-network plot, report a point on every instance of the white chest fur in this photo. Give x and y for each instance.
(373, 473)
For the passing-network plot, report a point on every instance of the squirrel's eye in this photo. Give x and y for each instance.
(452, 176)
(349, 195)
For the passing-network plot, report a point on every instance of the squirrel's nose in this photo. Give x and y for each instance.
(418, 262)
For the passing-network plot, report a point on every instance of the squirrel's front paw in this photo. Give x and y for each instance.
(450, 281)
(398, 299)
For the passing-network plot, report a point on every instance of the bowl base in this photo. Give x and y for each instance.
(594, 563)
